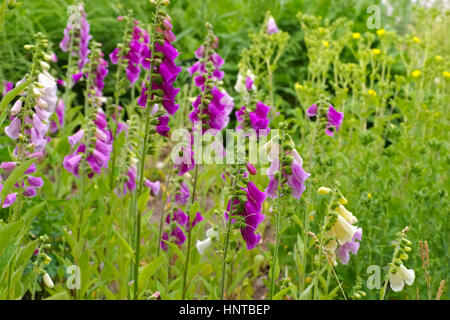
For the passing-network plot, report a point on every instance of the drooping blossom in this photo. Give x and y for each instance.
(245, 82)
(346, 236)
(251, 214)
(334, 118)
(272, 26)
(99, 156)
(350, 246)
(177, 221)
(403, 275)
(182, 194)
(28, 184)
(203, 245)
(295, 178)
(218, 110)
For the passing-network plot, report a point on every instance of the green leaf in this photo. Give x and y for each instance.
(9, 97)
(142, 201)
(281, 294)
(125, 244)
(149, 270)
(15, 176)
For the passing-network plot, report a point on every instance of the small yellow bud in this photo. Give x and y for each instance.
(369, 195)
(356, 35)
(415, 74)
(28, 47)
(308, 279)
(446, 74)
(416, 40)
(372, 93)
(326, 44)
(381, 32)
(438, 58)
(376, 51)
(311, 217)
(342, 200)
(323, 190)
(48, 281)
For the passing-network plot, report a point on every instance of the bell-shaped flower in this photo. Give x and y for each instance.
(398, 279)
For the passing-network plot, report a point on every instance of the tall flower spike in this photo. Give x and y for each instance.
(213, 106)
(76, 41)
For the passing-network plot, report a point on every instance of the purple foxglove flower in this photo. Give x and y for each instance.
(252, 215)
(197, 219)
(259, 119)
(9, 200)
(154, 186)
(272, 26)
(77, 77)
(29, 192)
(8, 86)
(200, 52)
(312, 110)
(251, 169)
(72, 163)
(183, 194)
(248, 83)
(31, 169)
(76, 138)
(350, 246)
(162, 128)
(8, 166)
(36, 182)
(335, 119)
(114, 56)
(13, 130)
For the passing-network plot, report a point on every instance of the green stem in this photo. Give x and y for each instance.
(277, 223)
(161, 220)
(227, 240)
(142, 160)
(189, 231)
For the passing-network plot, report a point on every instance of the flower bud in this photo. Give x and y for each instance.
(48, 281)
(44, 65)
(342, 200)
(323, 190)
(16, 108)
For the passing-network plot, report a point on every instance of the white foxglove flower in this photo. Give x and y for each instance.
(49, 89)
(213, 234)
(397, 280)
(203, 245)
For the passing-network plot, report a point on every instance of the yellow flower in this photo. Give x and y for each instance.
(372, 93)
(311, 217)
(356, 35)
(343, 200)
(446, 74)
(326, 44)
(438, 58)
(416, 39)
(381, 32)
(369, 195)
(298, 86)
(308, 279)
(376, 51)
(415, 74)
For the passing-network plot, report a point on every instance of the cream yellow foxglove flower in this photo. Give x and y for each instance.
(402, 276)
(347, 215)
(343, 230)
